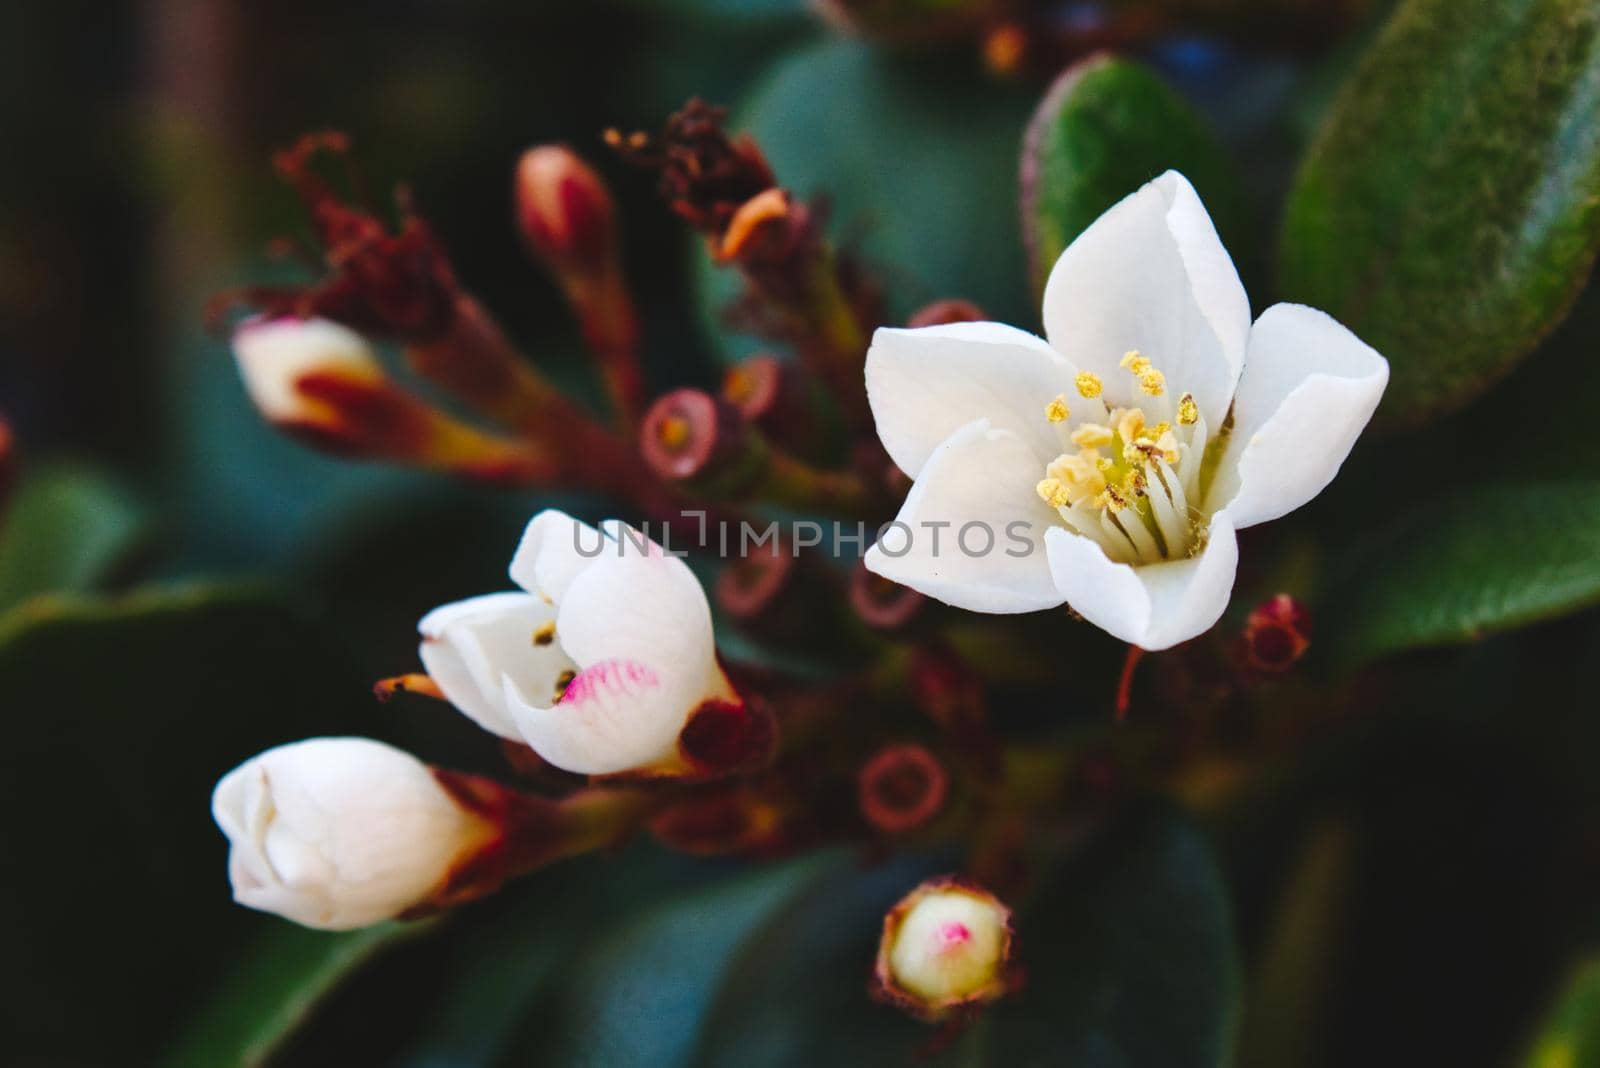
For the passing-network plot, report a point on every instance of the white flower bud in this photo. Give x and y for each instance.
(947, 944)
(336, 833)
(274, 355)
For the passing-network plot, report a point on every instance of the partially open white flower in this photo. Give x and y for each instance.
(336, 833)
(274, 355)
(598, 665)
(1114, 462)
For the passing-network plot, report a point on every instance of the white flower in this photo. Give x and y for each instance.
(336, 833)
(274, 355)
(1115, 462)
(598, 665)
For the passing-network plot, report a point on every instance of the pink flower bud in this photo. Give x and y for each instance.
(565, 212)
(1277, 633)
(945, 946)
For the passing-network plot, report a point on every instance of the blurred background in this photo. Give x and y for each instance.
(137, 184)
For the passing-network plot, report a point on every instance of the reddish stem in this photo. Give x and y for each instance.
(1125, 687)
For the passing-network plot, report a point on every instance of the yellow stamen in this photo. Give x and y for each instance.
(1088, 384)
(1153, 382)
(564, 680)
(1129, 424)
(1188, 410)
(545, 632)
(1091, 436)
(1134, 362)
(1054, 492)
(1167, 443)
(1057, 411)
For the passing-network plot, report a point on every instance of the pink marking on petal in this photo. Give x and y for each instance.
(610, 678)
(953, 935)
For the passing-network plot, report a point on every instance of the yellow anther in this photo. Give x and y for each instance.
(1167, 443)
(1057, 411)
(1134, 362)
(545, 632)
(1154, 433)
(1188, 410)
(1133, 483)
(1133, 453)
(1091, 436)
(1152, 382)
(1054, 492)
(1129, 424)
(1088, 384)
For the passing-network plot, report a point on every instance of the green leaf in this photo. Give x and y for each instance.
(797, 992)
(66, 530)
(276, 987)
(1571, 1037)
(639, 995)
(1449, 211)
(121, 714)
(935, 215)
(1107, 126)
(1446, 572)
(1129, 956)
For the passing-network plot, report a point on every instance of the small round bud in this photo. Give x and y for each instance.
(688, 434)
(1277, 633)
(945, 946)
(882, 603)
(565, 211)
(902, 788)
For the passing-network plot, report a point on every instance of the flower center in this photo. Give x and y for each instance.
(1130, 483)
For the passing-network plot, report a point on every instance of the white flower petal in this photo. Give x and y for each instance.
(976, 476)
(1153, 606)
(617, 715)
(554, 549)
(1151, 274)
(637, 623)
(926, 384)
(1309, 388)
(469, 647)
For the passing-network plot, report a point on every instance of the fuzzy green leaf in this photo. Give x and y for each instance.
(1107, 126)
(1446, 572)
(120, 716)
(1449, 211)
(66, 530)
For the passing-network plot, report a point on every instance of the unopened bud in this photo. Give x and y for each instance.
(945, 946)
(1277, 633)
(276, 356)
(321, 382)
(902, 788)
(336, 833)
(565, 211)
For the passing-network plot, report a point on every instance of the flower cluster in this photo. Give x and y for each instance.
(1119, 455)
